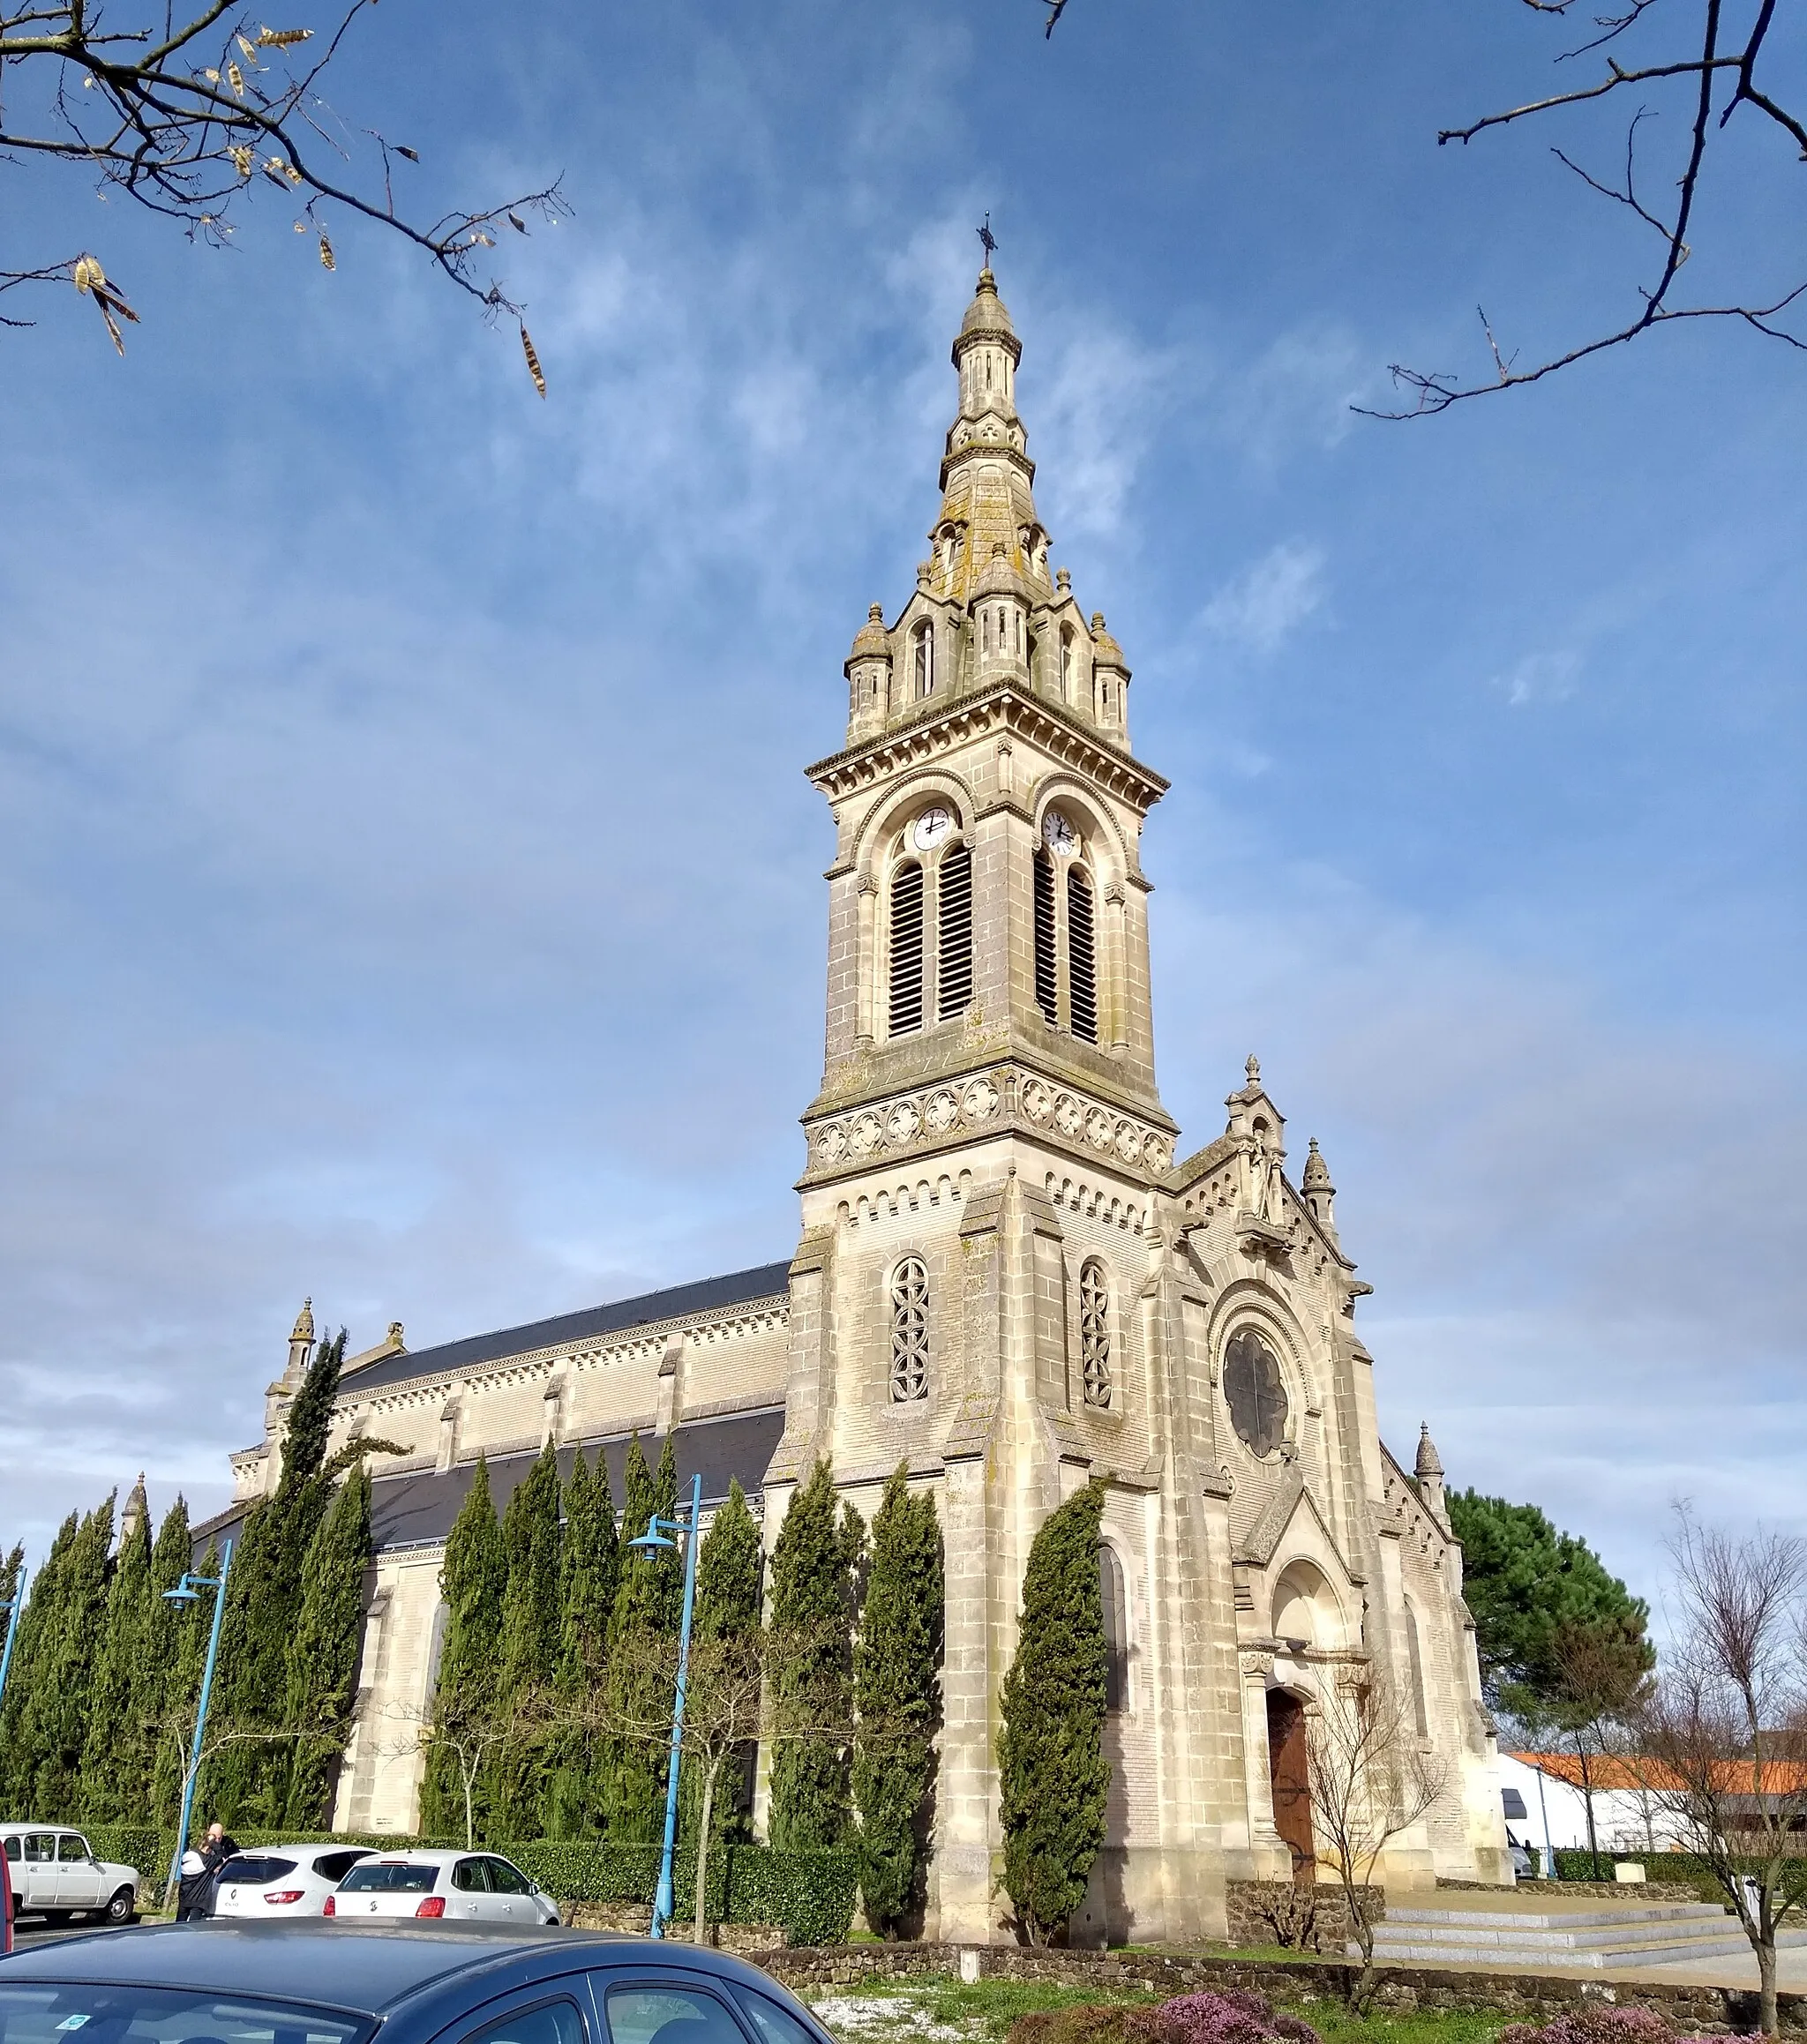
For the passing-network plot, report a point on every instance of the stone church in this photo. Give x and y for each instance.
(1011, 1275)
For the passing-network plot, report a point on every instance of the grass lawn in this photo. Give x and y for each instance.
(941, 2010)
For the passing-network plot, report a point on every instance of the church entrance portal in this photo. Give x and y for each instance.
(1291, 1774)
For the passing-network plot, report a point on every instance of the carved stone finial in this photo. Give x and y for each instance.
(305, 1323)
(1253, 1068)
(1428, 1463)
(1064, 582)
(395, 1333)
(1318, 1172)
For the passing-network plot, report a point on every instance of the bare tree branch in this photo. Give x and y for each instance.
(188, 120)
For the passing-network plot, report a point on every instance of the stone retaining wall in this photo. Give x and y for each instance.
(1531, 1996)
(1625, 1890)
(1312, 1916)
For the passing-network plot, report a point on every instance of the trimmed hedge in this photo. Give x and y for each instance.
(811, 1894)
(1576, 1863)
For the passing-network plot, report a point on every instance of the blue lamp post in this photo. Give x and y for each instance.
(12, 1609)
(188, 1591)
(654, 1537)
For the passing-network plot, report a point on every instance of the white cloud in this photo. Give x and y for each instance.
(1269, 603)
(1540, 677)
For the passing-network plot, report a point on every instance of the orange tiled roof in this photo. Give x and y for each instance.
(1608, 1772)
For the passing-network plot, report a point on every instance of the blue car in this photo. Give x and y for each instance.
(317, 1983)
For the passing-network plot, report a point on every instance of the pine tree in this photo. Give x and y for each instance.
(639, 1686)
(530, 1627)
(58, 1704)
(473, 1581)
(323, 1655)
(812, 1607)
(1050, 1751)
(897, 1696)
(588, 1566)
(263, 1605)
(38, 1624)
(110, 1770)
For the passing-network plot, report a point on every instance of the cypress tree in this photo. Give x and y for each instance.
(898, 1695)
(531, 1629)
(812, 1601)
(263, 1605)
(1050, 1751)
(186, 1644)
(57, 1705)
(640, 1685)
(474, 1581)
(588, 1566)
(38, 1624)
(155, 1697)
(728, 1571)
(323, 1654)
(110, 1770)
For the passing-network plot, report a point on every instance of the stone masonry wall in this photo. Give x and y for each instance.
(1313, 1916)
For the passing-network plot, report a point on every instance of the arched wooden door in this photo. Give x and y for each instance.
(1291, 1776)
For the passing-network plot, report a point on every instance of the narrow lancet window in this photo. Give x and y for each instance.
(909, 1332)
(1095, 1332)
(1082, 979)
(954, 946)
(1110, 1584)
(1048, 998)
(906, 950)
(924, 662)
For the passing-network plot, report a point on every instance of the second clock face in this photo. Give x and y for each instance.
(929, 829)
(1059, 833)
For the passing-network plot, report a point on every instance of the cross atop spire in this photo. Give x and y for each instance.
(988, 240)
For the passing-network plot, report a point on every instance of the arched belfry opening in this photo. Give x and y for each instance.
(1289, 1771)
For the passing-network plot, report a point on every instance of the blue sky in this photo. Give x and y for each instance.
(410, 894)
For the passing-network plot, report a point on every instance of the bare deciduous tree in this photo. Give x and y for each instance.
(474, 1738)
(191, 118)
(1724, 1732)
(1372, 1777)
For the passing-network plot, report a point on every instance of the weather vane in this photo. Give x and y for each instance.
(988, 240)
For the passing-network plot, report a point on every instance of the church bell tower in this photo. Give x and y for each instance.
(988, 1138)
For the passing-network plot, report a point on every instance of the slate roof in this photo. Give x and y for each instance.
(420, 1508)
(676, 1302)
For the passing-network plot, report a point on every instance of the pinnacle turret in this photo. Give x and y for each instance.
(1428, 1470)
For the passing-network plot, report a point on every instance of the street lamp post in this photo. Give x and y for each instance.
(654, 1537)
(188, 1591)
(12, 1609)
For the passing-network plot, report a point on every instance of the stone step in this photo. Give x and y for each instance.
(1607, 1936)
(1493, 1956)
(1491, 1918)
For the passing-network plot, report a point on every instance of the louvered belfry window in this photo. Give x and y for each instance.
(1095, 1332)
(1046, 976)
(909, 1332)
(954, 936)
(906, 950)
(1082, 983)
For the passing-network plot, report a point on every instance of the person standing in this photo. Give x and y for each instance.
(200, 1870)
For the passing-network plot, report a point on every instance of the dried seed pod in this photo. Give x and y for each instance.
(533, 361)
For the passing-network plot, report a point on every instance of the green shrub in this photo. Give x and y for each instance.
(811, 1894)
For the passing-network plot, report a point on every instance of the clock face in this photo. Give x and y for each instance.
(1059, 834)
(929, 829)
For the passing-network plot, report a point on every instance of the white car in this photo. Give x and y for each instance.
(56, 1875)
(439, 1886)
(283, 1880)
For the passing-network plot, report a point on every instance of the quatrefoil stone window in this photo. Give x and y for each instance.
(909, 1332)
(1255, 1395)
(1095, 1332)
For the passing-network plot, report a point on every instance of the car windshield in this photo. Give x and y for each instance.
(399, 1877)
(50, 2013)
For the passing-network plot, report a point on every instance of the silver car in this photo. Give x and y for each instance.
(56, 1875)
(439, 1886)
(283, 1880)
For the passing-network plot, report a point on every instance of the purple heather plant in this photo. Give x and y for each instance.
(1235, 2018)
(1599, 2025)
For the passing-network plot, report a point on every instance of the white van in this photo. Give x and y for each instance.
(56, 1875)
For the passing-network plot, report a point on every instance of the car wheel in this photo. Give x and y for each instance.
(119, 1910)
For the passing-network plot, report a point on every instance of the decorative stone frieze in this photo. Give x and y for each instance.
(934, 1116)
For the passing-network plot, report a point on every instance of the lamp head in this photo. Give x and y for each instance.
(651, 1540)
(182, 1592)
